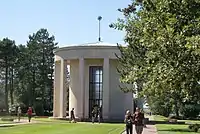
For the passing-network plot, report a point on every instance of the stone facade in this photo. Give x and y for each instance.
(81, 60)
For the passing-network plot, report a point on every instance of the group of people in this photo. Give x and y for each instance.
(137, 119)
(29, 113)
(96, 114)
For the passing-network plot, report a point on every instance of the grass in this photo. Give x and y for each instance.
(62, 127)
(160, 118)
(5, 122)
(173, 128)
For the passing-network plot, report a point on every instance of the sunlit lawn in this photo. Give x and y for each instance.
(5, 122)
(173, 128)
(62, 127)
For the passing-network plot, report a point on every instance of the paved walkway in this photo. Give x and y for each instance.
(16, 122)
(150, 129)
(24, 121)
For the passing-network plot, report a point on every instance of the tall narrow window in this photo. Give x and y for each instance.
(95, 87)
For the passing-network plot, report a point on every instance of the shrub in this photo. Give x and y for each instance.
(189, 111)
(194, 127)
(39, 109)
(47, 113)
(160, 106)
(160, 109)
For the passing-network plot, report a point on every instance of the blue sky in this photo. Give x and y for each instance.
(70, 21)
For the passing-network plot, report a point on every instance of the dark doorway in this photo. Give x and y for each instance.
(95, 88)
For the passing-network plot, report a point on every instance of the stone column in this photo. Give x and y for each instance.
(75, 99)
(63, 67)
(56, 100)
(106, 88)
(128, 102)
(82, 85)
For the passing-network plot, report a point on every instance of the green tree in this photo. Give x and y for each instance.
(163, 38)
(35, 71)
(41, 45)
(7, 56)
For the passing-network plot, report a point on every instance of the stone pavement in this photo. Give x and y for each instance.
(150, 129)
(24, 121)
(16, 122)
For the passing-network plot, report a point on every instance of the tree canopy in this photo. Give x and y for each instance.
(26, 72)
(163, 50)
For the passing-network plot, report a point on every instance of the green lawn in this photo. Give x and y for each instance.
(5, 122)
(56, 127)
(162, 118)
(173, 128)
(159, 118)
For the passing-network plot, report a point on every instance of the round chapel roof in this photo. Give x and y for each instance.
(96, 44)
(88, 50)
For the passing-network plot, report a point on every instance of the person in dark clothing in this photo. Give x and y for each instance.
(129, 122)
(72, 116)
(93, 115)
(138, 121)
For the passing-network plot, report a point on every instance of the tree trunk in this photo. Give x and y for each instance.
(43, 76)
(6, 86)
(176, 109)
(11, 87)
(51, 94)
(33, 89)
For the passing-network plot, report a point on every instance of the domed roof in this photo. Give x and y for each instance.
(89, 50)
(94, 44)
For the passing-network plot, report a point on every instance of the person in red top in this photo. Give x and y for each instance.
(29, 112)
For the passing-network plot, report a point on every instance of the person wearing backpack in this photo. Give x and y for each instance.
(129, 122)
(138, 121)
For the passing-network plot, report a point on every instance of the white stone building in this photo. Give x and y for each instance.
(93, 80)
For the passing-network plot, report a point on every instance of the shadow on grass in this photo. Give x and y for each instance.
(166, 122)
(6, 126)
(176, 130)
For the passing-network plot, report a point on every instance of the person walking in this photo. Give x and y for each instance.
(19, 112)
(138, 121)
(29, 112)
(129, 122)
(93, 115)
(72, 116)
(99, 117)
(144, 120)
